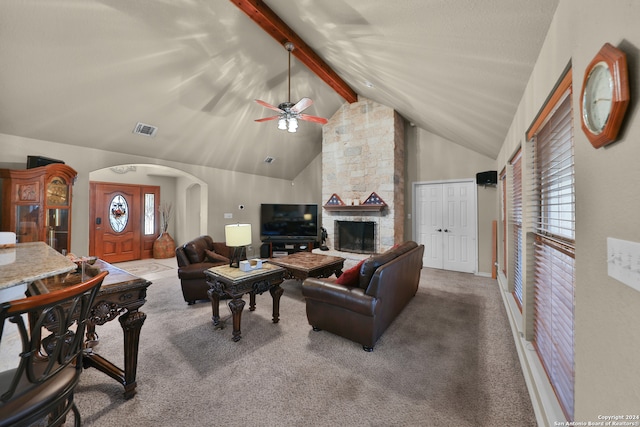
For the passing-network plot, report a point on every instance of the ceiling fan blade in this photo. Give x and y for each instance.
(271, 107)
(302, 105)
(314, 119)
(266, 119)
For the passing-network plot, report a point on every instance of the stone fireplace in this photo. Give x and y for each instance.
(363, 153)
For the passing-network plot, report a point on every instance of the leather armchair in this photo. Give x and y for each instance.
(194, 258)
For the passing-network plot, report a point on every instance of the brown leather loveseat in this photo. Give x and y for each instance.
(194, 258)
(363, 309)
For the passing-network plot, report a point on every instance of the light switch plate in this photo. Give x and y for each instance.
(623, 261)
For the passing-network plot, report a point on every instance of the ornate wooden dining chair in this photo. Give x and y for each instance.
(49, 363)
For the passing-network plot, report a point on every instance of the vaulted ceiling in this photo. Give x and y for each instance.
(85, 72)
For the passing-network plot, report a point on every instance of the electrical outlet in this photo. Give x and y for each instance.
(228, 216)
(623, 261)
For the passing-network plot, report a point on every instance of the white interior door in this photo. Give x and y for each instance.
(445, 222)
(428, 202)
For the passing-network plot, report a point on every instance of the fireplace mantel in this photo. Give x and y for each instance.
(352, 208)
(373, 203)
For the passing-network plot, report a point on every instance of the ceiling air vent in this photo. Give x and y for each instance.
(269, 159)
(146, 130)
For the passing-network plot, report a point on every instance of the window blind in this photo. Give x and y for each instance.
(516, 221)
(504, 219)
(554, 249)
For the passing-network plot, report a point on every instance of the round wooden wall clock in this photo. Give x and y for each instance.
(605, 95)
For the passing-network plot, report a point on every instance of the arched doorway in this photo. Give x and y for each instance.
(187, 194)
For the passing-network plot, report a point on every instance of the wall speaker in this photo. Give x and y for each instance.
(487, 178)
(37, 161)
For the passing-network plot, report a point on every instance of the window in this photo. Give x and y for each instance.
(503, 199)
(149, 214)
(553, 198)
(118, 213)
(516, 222)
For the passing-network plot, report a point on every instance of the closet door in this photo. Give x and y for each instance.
(446, 225)
(429, 223)
(459, 222)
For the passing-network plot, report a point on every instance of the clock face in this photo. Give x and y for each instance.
(597, 98)
(57, 192)
(605, 96)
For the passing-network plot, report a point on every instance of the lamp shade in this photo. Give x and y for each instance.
(237, 235)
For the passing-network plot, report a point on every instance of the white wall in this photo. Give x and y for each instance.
(225, 190)
(607, 312)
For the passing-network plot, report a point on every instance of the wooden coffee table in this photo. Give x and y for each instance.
(301, 265)
(233, 282)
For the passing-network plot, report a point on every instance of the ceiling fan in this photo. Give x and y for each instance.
(290, 113)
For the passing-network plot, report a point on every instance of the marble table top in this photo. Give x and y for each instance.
(28, 262)
(235, 274)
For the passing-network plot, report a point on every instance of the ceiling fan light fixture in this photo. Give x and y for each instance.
(293, 124)
(289, 113)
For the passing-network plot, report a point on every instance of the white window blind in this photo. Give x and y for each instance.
(504, 219)
(554, 249)
(516, 221)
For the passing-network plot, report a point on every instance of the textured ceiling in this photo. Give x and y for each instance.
(84, 72)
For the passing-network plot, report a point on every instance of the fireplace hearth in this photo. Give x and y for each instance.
(355, 236)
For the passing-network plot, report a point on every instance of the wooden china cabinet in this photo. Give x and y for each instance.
(36, 204)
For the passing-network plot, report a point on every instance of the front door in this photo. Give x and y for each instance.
(120, 220)
(446, 225)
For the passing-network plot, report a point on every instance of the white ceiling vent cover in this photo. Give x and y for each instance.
(146, 130)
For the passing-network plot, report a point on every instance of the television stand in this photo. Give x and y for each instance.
(287, 247)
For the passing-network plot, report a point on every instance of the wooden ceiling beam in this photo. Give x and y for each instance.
(266, 18)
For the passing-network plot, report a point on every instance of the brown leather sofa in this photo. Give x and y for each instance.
(362, 311)
(194, 258)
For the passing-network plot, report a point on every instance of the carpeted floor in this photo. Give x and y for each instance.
(447, 360)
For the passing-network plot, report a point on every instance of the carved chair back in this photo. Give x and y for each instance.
(51, 330)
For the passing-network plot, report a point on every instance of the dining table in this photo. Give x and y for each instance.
(36, 268)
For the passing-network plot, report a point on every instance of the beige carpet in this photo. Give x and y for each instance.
(448, 360)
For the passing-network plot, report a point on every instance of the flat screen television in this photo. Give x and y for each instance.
(288, 221)
(37, 161)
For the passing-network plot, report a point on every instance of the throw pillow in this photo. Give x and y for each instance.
(192, 253)
(215, 257)
(351, 276)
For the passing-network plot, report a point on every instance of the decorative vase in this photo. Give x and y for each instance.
(164, 246)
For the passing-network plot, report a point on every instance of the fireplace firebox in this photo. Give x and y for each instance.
(355, 236)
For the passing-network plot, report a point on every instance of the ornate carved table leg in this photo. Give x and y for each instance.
(236, 305)
(215, 307)
(276, 292)
(92, 338)
(252, 301)
(131, 325)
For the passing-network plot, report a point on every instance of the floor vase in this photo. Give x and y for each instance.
(164, 246)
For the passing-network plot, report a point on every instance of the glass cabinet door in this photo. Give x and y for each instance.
(57, 227)
(28, 223)
(57, 215)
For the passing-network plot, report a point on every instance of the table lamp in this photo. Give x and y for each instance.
(237, 236)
